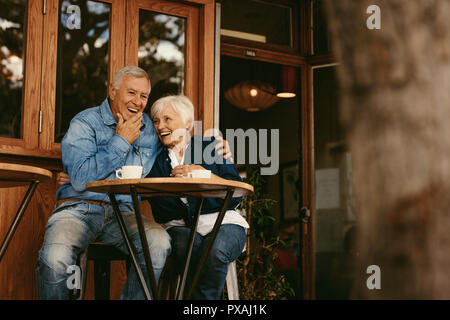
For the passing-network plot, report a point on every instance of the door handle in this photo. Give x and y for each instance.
(305, 214)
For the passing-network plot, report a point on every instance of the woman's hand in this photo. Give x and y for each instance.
(184, 169)
(62, 178)
(223, 147)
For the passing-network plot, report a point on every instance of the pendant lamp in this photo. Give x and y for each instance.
(286, 88)
(252, 96)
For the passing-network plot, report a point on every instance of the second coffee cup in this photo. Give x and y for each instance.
(198, 173)
(129, 172)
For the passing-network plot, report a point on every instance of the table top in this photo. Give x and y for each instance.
(14, 175)
(173, 187)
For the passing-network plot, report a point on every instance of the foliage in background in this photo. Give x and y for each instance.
(11, 49)
(256, 276)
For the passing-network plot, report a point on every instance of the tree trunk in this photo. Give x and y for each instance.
(396, 109)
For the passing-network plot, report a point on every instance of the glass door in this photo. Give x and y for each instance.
(333, 216)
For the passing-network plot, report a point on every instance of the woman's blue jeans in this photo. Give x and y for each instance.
(227, 247)
(70, 229)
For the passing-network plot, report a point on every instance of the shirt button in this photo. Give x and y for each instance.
(147, 154)
(124, 154)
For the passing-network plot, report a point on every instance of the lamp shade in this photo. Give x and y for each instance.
(287, 82)
(251, 95)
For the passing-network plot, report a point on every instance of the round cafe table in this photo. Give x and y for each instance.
(170, 187)
(16, 175)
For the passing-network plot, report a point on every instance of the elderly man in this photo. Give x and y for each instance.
(100, 140)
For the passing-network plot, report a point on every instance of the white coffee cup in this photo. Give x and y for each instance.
(129, 172)
(199, 173)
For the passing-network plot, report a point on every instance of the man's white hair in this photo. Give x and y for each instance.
(129, 71)
(180, 104)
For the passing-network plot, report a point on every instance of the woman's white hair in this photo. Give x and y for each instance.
(129, 71)
(180, 104)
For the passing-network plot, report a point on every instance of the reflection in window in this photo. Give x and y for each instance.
(320, 36)
(161, 52)
(82, 70)
(257, 20)
(335, 216)
(12, 40)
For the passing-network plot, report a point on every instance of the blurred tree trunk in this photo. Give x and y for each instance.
(396, 108)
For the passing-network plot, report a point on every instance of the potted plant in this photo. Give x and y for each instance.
(256, 276)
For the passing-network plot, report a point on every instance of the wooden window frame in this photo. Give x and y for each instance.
(28, 143)
(230, 42)
(199, 60)
(47, 145)
(40, 71)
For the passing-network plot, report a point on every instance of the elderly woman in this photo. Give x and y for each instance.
(173, 119)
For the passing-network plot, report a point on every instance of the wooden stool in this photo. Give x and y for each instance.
(102, 254)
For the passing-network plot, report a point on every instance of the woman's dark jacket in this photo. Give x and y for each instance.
(201, 151)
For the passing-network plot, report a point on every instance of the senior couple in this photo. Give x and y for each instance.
(117, 133)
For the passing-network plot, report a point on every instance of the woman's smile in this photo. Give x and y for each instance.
(170, 127)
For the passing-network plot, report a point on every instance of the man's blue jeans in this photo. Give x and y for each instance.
(227, 247)
(70, 229)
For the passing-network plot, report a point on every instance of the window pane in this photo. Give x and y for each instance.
(335, 216)
(162, 52)
(12, 41)
(82, 70)
(321, 39)
(257, 20)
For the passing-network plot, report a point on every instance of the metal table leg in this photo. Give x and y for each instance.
(129, 245)
(144, 242)
(189, 252)
(18, 217)
(214, 232)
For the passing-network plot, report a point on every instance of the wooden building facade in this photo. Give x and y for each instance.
(59, 56)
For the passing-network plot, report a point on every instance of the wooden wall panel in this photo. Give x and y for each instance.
(18, 266)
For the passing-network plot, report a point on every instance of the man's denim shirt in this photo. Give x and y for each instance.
(91, 150)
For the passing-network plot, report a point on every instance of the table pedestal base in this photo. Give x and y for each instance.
(131, 248)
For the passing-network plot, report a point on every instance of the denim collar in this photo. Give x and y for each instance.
(106, 113)
(107, 116)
